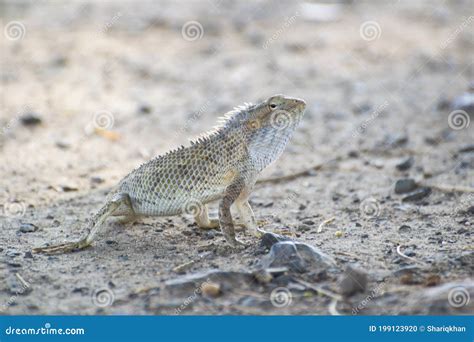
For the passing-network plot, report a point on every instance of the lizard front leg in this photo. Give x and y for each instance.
(94, 225)
(232, 192)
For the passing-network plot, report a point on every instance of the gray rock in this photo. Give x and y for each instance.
(405, 164)
(464, 102)
(406, 269)
(30, 119)
(354, 280)
(404, 229)
(303, 227)
(466, 148)
(417, 195)
(269, 239)
(189, 285)
(447, 299)
(297, 257)
(405, 185)
(28, 228)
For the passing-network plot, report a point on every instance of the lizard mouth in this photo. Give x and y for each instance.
(297, 104)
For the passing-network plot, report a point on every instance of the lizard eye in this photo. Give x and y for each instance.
(273, 105)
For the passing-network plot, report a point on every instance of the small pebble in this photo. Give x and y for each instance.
(405, 185)
(97, 180)
(144, 109)
(211, 289)
(28, 228)
(404, 229)
(467, 148)
(63, 145)
(68, 188)
(303, 227)
(30, 119)
(417, 195)
(353, 281)
(405, 164)
(338, 234)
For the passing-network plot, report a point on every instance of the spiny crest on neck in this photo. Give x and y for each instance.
(229, 119)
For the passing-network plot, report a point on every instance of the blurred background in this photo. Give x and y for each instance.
(158, 73)
(91, 89)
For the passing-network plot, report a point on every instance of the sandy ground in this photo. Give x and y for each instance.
(380, 80)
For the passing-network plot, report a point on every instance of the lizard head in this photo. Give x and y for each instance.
(269, 125)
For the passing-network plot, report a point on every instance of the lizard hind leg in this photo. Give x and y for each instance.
(94, 225)
(246, 215)
(203, 221)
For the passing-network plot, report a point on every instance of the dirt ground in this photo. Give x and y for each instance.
(92, 90)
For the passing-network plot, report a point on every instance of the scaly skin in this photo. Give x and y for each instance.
(222, 165)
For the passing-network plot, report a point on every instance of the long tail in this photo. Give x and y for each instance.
(93, 227)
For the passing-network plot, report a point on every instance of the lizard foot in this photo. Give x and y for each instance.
(63, 247)
(236, 243)
(258, 232)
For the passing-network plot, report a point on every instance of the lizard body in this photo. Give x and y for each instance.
(222, 165)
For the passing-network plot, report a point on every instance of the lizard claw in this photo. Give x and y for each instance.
(236, 243)
(258, 232)
(63, 247)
